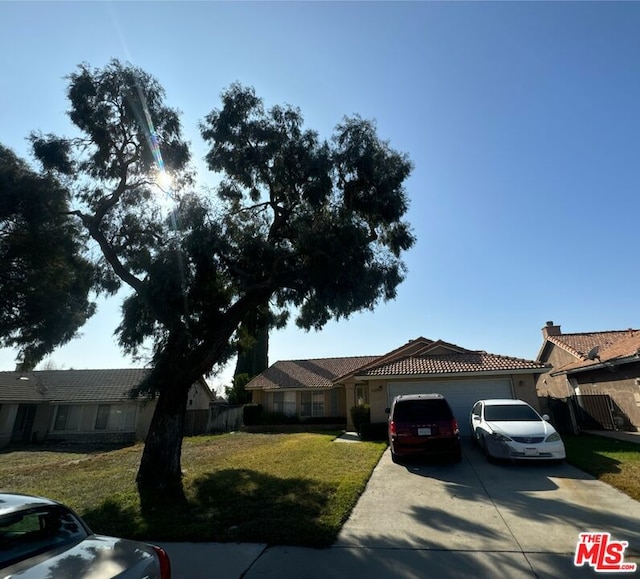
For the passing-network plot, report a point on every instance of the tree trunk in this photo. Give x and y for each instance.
(177, 368)
(160, 475)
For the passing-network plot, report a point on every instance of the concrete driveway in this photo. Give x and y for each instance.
(472, 519)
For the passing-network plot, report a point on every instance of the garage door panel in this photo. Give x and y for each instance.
(461, 394)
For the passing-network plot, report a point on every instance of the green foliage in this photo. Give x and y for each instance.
(361, 416)
(275, 418)
(44, 279)
(322, 218)
(236, 394)
(251, 414)
(297, 223)
(253, 343)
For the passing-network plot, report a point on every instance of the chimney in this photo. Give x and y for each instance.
(550, 330)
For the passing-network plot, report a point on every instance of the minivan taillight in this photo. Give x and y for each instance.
(454, 426)
(392, 427)
(165, 563)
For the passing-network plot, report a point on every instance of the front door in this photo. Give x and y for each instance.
(23, 423)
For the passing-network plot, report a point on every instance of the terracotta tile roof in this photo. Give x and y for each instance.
(581, 344)
(69, 385)
(623, 347)
(453, 363)
(314, 373)
(417, 357)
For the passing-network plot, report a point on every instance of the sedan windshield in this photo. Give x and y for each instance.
(510, 413)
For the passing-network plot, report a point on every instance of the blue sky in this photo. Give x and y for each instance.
(522, 120)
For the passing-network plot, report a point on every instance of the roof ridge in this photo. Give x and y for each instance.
(329, 358)
(596, 332)
(467, 353)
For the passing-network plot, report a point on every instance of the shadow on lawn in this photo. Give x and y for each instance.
(585, 452)
(63, 447)
(236, 505)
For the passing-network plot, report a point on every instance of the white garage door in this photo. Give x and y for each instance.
(461, 394)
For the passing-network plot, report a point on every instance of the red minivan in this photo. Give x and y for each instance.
(423, 425)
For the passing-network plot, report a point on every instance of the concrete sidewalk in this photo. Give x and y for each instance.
(255, 561)
(617, 434)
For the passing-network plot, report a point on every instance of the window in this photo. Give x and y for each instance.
(27, 533)
(510, 413)
(119, 417)
(305, 404)
(333, 402)
(67, 417)
(284, 402)
(102, 418)
(311, 404)
(318, 404)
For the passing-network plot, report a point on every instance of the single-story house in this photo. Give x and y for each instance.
(330, 387)
(80, 405)
(590, 363)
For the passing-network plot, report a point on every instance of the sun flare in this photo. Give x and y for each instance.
(164, 180)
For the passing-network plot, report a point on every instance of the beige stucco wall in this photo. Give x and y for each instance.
(376, 392)
(199, 397)
(258, 397)
(555, 386)
(621, 385)
(266, 400)
(145, 414)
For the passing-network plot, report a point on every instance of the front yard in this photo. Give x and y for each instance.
(291, 489)
(288, 489)
(612, 461)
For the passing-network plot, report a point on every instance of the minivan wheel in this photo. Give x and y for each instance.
(457, 455)
(395, 458)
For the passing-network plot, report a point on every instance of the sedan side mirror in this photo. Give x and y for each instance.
(387, 410)
(545, 417)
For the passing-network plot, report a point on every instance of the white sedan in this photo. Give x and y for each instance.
(511, 429)
(42, 538)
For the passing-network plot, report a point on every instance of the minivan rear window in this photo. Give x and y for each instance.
(419, 410)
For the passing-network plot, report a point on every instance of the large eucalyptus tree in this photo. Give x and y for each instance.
(294, 224)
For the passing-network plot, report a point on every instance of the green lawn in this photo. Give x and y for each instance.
(612, 461)
(289, 489)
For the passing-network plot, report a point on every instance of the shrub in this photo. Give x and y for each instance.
(278, 418)
(251, 414)
(376, 431)
(361, 415)
(324, 420)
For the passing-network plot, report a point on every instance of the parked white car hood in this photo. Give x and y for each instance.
(522, 428)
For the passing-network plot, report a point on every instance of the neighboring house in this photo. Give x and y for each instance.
(330, 387)
(80, 406)
(594, 363)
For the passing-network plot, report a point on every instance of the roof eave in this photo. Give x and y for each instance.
(606, 364)
(298, 388)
